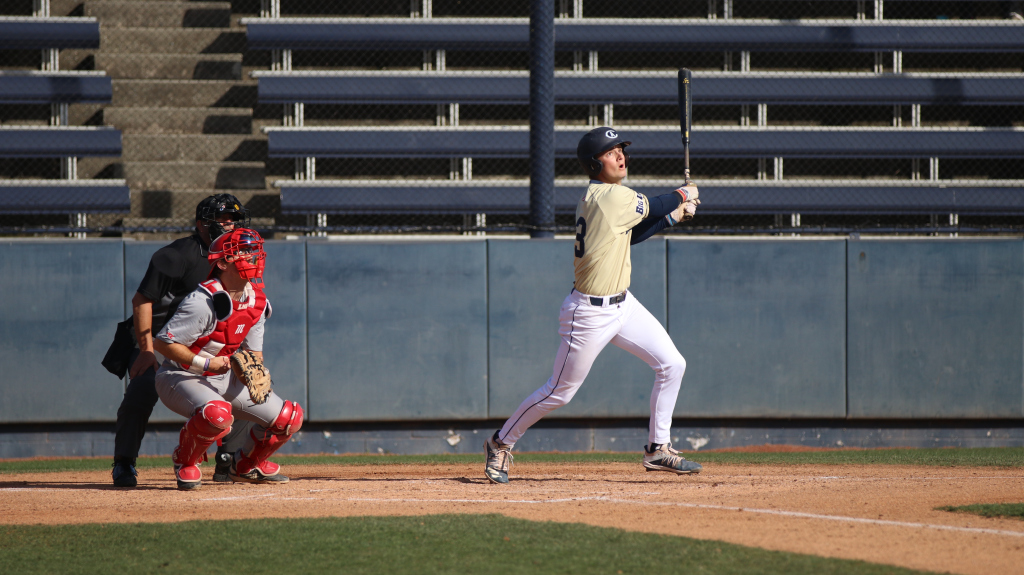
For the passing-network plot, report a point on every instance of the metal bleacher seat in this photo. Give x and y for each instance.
(59, 89)
(752, 197)
(717, 88)
(36, 33)
(729, 197)
(650, 141)
(620, 35)
(44, 87)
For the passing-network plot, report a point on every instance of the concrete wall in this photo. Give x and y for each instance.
(464, 330)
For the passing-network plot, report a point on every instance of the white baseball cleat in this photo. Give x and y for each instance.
(499, 459)
(661, 457)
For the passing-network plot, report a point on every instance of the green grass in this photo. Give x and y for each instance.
(973, 457)
(1015, 510)
(426, 544)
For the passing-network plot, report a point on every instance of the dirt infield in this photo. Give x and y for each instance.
(883, 514)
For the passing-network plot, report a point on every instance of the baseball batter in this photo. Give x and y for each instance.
(196, 381)
(600, 310)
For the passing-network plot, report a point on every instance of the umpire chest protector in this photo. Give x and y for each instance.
(234, 320)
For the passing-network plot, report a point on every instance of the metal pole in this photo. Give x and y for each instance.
(542, 118)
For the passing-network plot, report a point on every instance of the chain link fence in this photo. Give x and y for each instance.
(318, 133)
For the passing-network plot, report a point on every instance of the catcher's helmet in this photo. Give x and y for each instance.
(596, 142)
(217, 205)
(245, 248)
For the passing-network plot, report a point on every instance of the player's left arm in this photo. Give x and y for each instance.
(665, 211)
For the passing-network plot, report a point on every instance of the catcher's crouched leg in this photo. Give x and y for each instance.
(208, 424)
(253, 467)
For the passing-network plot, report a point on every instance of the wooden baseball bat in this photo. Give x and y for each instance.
(685, 118)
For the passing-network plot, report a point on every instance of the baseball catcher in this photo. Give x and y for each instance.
(214, 368)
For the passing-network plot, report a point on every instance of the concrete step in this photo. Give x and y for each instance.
(184, 94)
(136, 14)
(193, 148)
(170, 66)
(220, 175)
(139, 120)
(180, 204)
(172, 41)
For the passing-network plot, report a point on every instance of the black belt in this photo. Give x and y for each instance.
(612, 299)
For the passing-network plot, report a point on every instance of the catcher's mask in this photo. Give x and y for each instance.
(218, 205)
(244, 248)
(596, 142)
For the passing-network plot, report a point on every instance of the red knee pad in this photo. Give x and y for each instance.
(288, 421)
(210, 422)
(214, 418)
(277, 434)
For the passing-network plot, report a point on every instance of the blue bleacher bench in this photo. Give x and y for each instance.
(32, 33)
(63, 196)
(65, 87)
(710, 88)
(658, 142)
(718, 197)
(59, 142)
(620, 35)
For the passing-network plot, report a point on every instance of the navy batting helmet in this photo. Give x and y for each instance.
(596, 142)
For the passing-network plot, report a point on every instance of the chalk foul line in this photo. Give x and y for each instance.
(799, 514)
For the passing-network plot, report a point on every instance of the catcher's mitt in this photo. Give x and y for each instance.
(253, 374)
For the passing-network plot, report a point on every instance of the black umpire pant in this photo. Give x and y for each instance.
(137, 407)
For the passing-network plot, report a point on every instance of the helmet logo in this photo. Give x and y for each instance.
(611, 134)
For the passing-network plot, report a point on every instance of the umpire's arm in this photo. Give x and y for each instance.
(142, 312)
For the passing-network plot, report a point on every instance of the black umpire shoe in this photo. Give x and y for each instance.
(222, 473)
(124, 473)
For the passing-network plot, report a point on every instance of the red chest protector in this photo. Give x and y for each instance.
(234, 320)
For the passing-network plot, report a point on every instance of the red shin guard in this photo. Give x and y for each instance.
(277, 434)
(209, 423)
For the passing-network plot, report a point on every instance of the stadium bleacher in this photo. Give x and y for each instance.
(716, 88)
(43, 87)
(43, 33)
(620, 35)
(796, 196)
(654, 142)
(66, 195)
(597, 88)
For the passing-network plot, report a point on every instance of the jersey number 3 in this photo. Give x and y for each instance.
(581, 230)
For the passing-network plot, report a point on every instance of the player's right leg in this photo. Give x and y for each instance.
(585, 330)
(643, 336)
(210, 419)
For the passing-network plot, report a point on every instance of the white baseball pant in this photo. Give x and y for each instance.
(586, 329)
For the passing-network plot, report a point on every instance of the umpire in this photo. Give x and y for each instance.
(174, 272)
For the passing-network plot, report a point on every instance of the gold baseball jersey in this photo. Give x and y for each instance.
(605, 217)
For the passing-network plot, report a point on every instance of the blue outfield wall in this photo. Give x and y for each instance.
(450, 331)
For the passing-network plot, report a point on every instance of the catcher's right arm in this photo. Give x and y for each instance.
(249, 369)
